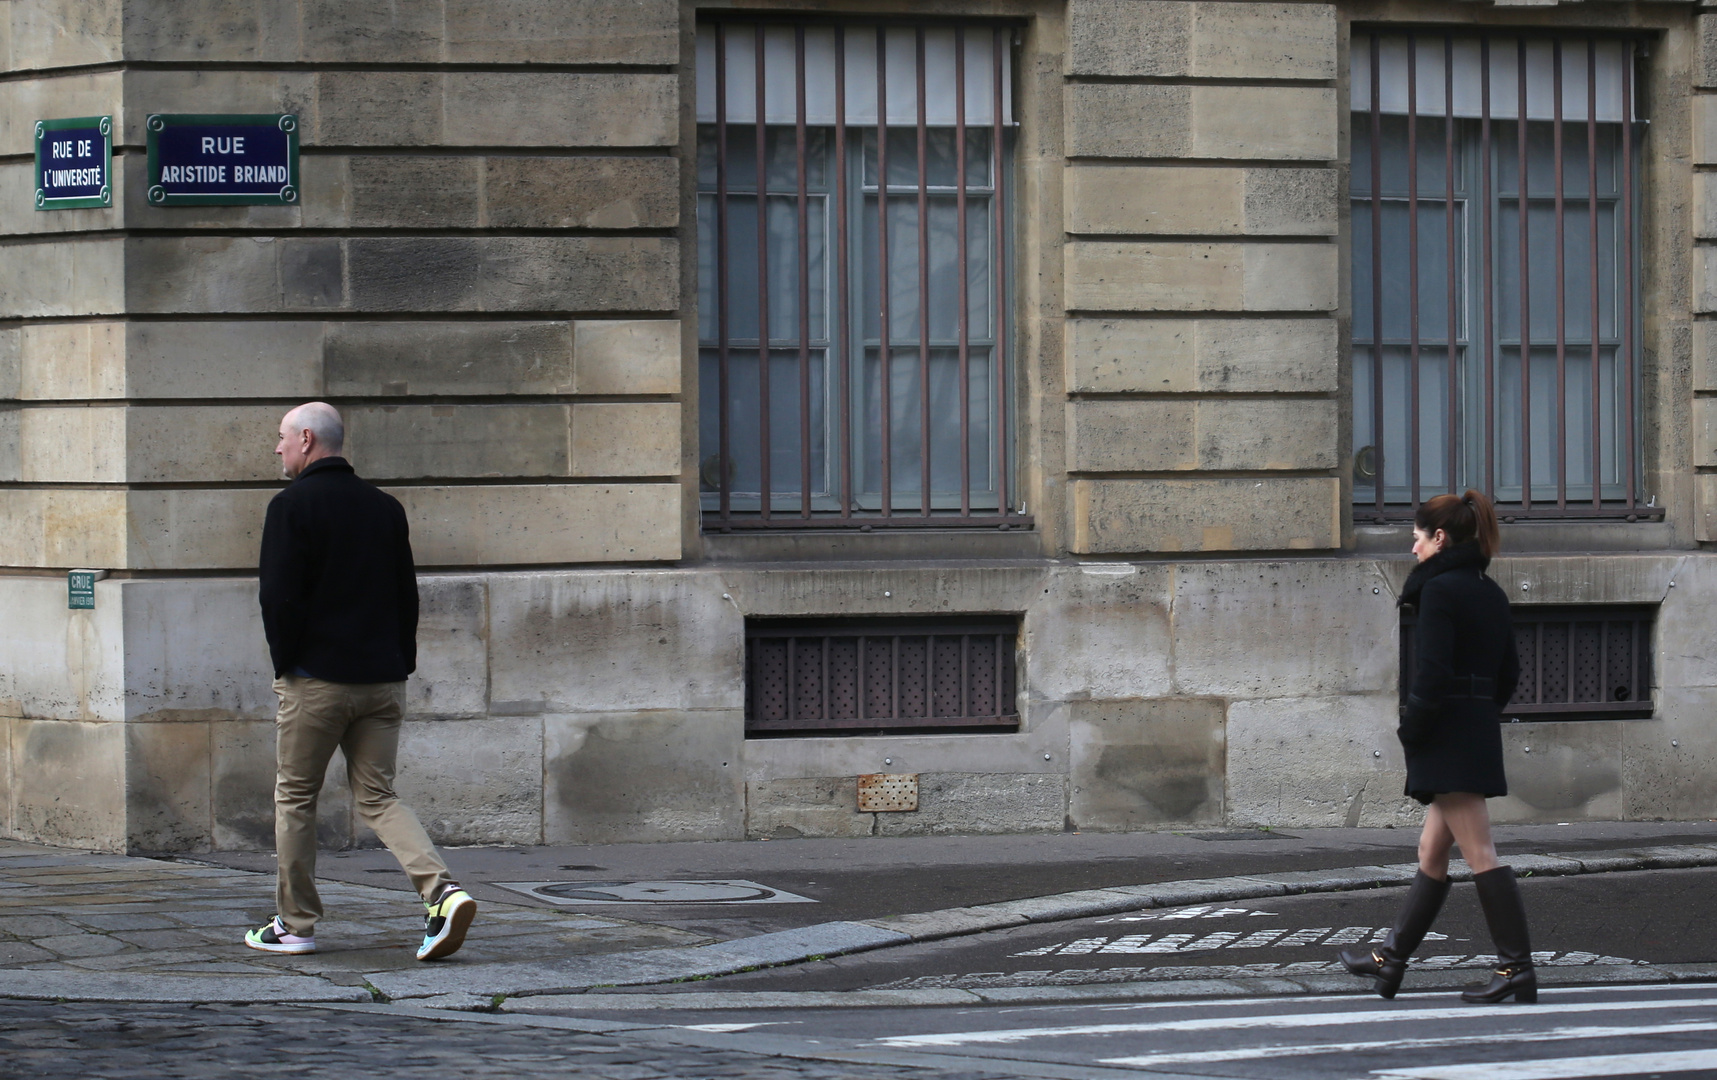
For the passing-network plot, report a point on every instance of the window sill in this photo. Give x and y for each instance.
(1529, 537)
(906, 544)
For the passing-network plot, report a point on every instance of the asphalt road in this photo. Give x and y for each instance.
(1575, 1032)
(1662, 916)
(882, 876)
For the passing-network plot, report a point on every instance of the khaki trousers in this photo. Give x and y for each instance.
(363, 722)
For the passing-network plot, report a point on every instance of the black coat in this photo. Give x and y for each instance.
(339, 591)
(1450, 725)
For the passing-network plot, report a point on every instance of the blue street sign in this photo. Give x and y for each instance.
(74, 163)
(223, 160)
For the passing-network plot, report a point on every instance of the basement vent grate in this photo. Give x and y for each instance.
(857, 676)
(1587, 662)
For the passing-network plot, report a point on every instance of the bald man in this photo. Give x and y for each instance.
(339, 606)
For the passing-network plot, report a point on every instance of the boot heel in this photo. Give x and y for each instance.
(1526, 995)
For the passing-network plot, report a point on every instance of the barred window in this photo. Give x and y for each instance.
(845, 423)
(1496, 347)
(1577, 662)
(869, 675)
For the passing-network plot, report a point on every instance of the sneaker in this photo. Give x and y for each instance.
(272, 937)
(449, 917)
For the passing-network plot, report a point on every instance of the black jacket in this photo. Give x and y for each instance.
(339, 592)
(1450, 723)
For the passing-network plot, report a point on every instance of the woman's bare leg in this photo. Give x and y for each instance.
(1435, 840)
(1464, 816)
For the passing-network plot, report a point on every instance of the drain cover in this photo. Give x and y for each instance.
(718, 891)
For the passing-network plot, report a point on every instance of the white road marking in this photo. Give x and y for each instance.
(1188, 913)
(1562, 1068)
(722, 1029)
(1133, 973)
(1286, 1020)
(1304, 1049)
(1353, 935)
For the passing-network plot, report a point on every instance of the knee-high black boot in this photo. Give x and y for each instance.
(1388, 962)
(1504, 913)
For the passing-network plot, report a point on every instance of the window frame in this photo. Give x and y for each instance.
(1476, 368)
(1000, 634)
(835, 495)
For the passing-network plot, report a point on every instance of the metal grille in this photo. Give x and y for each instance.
(1495, 246)
(879, 675)
(1576, 663)
(853, 274)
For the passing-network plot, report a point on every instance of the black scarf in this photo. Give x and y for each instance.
(1453, 557)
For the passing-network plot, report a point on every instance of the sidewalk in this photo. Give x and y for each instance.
(82, 926)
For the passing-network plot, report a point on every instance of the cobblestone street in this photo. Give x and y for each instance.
(74, 911)
(43, 1041)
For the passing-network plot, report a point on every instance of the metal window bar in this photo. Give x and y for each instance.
(857, 675)
(1503, 434)
(1577, 662)
(831, 494)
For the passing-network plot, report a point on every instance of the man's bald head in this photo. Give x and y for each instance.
(323, 420)
(309, 433)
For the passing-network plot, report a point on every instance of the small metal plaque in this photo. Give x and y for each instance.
(679, 891)
(241, 159)
(74, 163)
(885, 792)
(80, 588)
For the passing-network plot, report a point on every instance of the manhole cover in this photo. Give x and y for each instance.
(718, 891)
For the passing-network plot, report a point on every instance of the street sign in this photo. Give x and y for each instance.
(80, 588)
(74, 163)
(240, 159)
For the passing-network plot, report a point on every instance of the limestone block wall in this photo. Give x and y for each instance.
(490, 273)
(607, 705)
(1203, 273)
(484, 274)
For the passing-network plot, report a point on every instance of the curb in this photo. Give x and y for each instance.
(732, 1000)
(163, 989)
(477, 986)
(454, 986)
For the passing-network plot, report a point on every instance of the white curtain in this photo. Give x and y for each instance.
(1431, 59)
(900, 57)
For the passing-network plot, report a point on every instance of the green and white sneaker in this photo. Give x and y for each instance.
(272, 936)
(450, 915)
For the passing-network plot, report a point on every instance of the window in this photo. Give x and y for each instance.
(844, 424)
(809, 676)
(1496, 348)
(1576, 663)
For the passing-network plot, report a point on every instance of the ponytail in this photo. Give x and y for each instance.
(1463, 517)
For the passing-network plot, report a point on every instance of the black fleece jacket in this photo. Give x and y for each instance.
(339, 590)
(1464, 630)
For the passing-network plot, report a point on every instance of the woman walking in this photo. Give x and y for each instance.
(1466, 671)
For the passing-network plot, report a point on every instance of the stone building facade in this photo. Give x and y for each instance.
(502, 267)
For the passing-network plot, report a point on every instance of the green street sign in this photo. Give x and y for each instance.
(80, 588)
(74, 163)
(237, 159)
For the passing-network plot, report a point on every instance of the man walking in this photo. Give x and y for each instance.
(339, 606)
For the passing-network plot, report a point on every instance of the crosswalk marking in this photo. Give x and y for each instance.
(1072, 976)
(1308, 1049)
(1227, 939)
(1562, 1068)
(1287, 1020)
